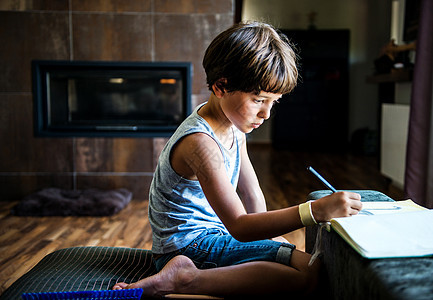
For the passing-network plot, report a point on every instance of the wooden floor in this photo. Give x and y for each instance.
(24, 241)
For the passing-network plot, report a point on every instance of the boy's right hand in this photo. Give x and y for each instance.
(340, 204)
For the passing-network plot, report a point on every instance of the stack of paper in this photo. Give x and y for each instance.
(388, 229)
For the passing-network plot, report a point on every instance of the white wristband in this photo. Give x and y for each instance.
(306, 214)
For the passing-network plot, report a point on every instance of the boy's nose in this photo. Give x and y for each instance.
(265, 113)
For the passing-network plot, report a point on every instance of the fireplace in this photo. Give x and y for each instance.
(110, 99)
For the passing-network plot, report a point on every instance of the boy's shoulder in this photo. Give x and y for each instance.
(197, 140)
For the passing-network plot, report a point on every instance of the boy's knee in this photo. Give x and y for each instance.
(311, 276)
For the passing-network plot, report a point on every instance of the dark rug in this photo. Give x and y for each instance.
(59, 202)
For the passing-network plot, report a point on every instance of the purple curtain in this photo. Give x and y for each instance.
(419, 159)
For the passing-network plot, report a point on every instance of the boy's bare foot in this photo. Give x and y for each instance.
(175, 277)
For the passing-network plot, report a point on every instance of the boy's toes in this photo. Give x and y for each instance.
(120, 286)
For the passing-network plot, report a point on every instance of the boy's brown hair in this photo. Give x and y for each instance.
(251, 57)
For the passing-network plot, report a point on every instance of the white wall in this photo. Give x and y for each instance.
(369, 23)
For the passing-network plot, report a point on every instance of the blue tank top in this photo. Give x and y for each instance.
(178, 208)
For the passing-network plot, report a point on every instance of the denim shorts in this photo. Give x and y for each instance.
(213, 249)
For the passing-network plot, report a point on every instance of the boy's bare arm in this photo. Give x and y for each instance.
(204, 158)
(248, 186)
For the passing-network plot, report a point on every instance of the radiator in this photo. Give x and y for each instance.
(395, 123)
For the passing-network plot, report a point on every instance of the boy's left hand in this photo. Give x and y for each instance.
(340, 204)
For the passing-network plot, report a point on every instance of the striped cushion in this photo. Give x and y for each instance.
(82, 269)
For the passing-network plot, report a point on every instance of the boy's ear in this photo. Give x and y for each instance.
(219, 87)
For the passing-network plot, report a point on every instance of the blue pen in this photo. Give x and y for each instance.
(322, 179)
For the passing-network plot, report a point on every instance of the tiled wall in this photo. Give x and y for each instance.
(112, 30)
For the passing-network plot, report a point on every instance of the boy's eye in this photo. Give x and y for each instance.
(261, 101)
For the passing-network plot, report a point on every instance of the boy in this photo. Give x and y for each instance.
(211, 231)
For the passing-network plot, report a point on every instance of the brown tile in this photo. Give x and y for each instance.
(137, 184)
(133, 155)
(28, 36)
(114, 155)
(185, 38)
(112, 5)
(158, 145)
(34, 5)
(93, 154)
(195, 6)
(15, 187)
(112, 37)
(21, 151)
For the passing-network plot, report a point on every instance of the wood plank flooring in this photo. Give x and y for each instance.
(24, 241)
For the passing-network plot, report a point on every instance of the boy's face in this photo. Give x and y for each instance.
(247, 111)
